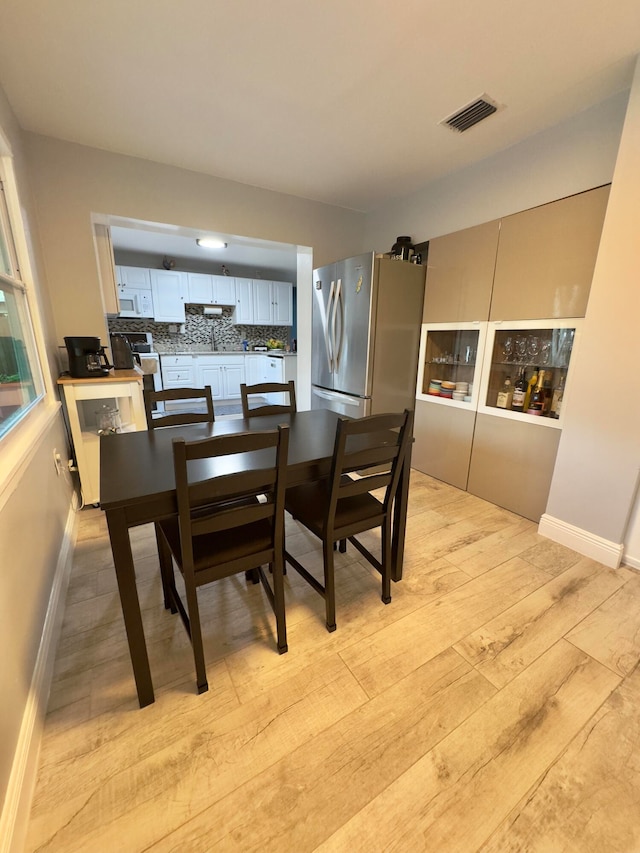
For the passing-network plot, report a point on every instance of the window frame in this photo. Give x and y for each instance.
(18, 442)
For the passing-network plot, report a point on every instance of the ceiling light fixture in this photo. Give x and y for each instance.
(211, 243)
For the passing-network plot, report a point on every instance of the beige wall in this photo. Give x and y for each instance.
(34, 505)
(598, 460)
(573, 156)
(72, 181)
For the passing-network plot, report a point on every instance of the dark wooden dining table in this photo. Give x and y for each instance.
(137, 486)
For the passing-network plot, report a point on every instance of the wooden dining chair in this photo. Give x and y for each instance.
(250, 410)
(227, 523)
(368, 455)
(180, 417)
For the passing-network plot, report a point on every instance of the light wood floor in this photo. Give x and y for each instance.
(494, 705)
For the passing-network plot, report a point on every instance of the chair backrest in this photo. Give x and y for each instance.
(179, 418)
(247, 391)
(373, 448)
(248, 485)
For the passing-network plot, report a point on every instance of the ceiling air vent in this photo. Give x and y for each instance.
(471, 114)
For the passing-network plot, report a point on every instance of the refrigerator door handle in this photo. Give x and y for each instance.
(339, 306)
(331, 396)
(327, 330)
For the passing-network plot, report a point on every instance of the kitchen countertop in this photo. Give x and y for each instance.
(203, 351)
(113, 376)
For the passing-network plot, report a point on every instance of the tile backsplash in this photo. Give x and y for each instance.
(200, 330)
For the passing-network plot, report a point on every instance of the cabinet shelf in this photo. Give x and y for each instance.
(527, 345)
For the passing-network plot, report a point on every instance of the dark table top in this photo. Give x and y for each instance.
(136, 468)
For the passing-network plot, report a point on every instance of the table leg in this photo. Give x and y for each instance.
(126, 576)
(400, 519)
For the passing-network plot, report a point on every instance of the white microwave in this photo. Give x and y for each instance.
(135, 302)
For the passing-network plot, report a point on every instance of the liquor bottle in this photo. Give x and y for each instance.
(530, 388)
(519, 392)
(556, 400)
(505, 395)
(536, 403)
(548, 392)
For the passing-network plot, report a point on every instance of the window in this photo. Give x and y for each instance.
(21, 382)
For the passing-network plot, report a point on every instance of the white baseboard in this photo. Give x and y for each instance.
(17, 804)
(603, 550)
(631, 562)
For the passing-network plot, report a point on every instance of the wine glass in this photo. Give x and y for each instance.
(507, 348)
(533, 347)
(521, 349)
(545, 352)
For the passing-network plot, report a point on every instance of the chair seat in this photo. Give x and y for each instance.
(222, 547)
(308, 504)
(368, 454)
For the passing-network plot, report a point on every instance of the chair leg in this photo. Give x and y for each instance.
(329, 585)
(343, 546)
(386, 560)
(279, 607)
(196, 637)
(166, 569)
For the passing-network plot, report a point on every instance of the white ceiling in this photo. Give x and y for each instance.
(337, 101)
(243, 255)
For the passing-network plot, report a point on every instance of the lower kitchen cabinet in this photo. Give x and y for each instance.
(224, 374)
(443, 440)
(512, 464)
(178, 371)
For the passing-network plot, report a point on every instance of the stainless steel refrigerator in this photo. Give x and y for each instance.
(367, 313)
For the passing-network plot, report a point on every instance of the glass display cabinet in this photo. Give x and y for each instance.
(526, 368)
(450, 359)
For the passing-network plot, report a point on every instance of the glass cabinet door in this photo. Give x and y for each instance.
(526, 368)
(450, 356)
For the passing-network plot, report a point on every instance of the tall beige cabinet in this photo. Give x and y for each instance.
(502, 299)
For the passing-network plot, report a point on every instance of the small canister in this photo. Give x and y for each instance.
(402, 249)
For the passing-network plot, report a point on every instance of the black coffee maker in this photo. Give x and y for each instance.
(87, 359)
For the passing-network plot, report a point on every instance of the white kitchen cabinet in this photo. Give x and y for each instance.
(136, 277)
(282, 299)
(134, 292)
(205, 289)
(168, 289)
(82, 399)
(272, 303)
(243, 314)
(223, 373)
(263, 303)
(224, 290)
(200, 288)
(178, 371)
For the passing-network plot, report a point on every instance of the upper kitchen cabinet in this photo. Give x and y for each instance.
(168, 288)
(224, 290)
(134, 292)
(460, 270)
(546, 258)
(243, 314)
(205, 289)
(272, 303)
(263, 303)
